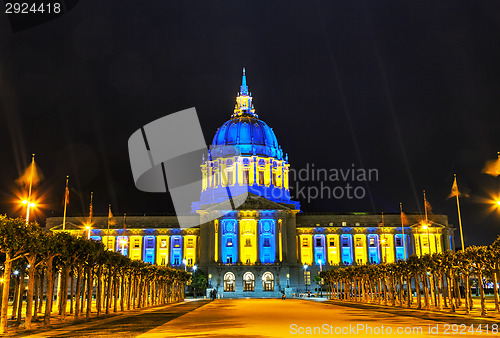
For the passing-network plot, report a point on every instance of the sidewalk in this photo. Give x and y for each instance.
(58, 327)
(458, 317)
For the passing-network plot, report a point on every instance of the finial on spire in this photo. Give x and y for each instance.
(244, 87)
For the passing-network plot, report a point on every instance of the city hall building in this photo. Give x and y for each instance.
(267, 244)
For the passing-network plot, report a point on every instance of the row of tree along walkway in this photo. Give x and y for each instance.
(440, 279)
(86, 270)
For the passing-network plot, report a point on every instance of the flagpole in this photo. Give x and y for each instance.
(107, 237)
(403, 229)
(459, 216)
(66, 193)
(91, 207)
(29, 191)
(427, 224)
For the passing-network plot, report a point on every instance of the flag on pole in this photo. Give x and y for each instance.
(32, 174)
(404, 218)
(428, 207)
(454, 189)
(492, 167)
(91, 207)
(111, 218)
(66, 195)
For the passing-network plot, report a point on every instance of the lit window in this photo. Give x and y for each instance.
(399, 241)
(163, 243)
(372, 241)
(266, 242)
(190, 243)
(229, 242)
(261, 177)
(305, 242)
(344, 224)
(136, 243)
(359, 242)
(318, 241)
(332, 241)
(275, 183)
(248, 243)
(230, 178)
(345, 241)
(246, 176)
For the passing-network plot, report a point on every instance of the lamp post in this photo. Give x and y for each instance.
(184, 261)
(88, 228)
(28, 205)
(287, 280)
(305, 275)
(210, 280)
(194, 281)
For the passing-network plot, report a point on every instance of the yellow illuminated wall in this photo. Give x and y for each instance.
(332, 242)
(424, 246)
(280, 239)
(306, 256)
(216, 246)
(135, 247)
(109, 242)
(190, 249)
(248, 241)
(162, 243)
(360, 249)
(387, 248)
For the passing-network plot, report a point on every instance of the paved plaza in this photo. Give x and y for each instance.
(275, 318)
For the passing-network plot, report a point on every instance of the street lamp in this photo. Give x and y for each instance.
(320, 266)
(305, 275)
(287, 280)
(210, 280)
(88, 228)
(28, 205)
(184, 261)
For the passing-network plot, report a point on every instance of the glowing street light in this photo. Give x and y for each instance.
(194, 268)
(320, 266)
(88, 228)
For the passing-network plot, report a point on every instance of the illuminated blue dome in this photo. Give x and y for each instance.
(245, 135)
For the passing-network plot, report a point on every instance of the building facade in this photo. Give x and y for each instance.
(266, 245)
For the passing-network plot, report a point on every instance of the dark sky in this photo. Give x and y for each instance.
(411, 88)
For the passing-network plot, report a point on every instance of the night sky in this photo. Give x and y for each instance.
(411, 88)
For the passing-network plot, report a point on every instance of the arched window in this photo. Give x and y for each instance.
(268, 281)
(248, 282)
(229, 282)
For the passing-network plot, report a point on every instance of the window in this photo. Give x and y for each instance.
(190, 243)
(149, 243)
(371, 242)
(399, 241)
(267, 244)
(268, 281)
(216, 179)
(176, 261)
(229, 242)
(230, 178)
(248, 281)
(190, 262)
(163, 260)
(229, 259)
(305, 242)
(318, 241)
(332, 241)
(359, 242)
(229, 282)
(248, 243)
(261, 177)
(137, 243)
(246, 176)
(345, 241)
(163, 243)
(275, 183)
(344, 224)
(177, 243)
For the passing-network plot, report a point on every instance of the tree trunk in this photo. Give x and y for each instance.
(122, 293)
(90, 280)
(449, 291)
(50, 291)
(84, 290)
(64, 292)
(42, 282)
(466, 293)
(108, 291)
(79, 270)
(481, 292)
(71, 293)
(98, 298)
(29, 295)
(495, 288)
(439, 291)
(20, 298)
(36, 295)
(16, 297)
(5, 293)
(408, 290)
